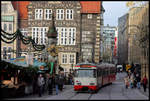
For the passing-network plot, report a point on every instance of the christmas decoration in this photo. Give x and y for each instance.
(10, 38)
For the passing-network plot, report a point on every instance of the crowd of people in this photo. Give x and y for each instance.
(51, 81)
(133, 80)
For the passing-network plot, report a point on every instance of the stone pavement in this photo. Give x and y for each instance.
(44, 96)
(145, 93)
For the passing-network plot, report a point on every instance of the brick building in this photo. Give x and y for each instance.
(77, 23)
(21, 7)
(90, 25)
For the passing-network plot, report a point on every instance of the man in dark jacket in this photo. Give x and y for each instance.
(50, 85)
(56, 83)
(61, 81)
(40, 83)
(144, 82)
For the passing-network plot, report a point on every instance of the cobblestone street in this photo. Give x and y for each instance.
(114, 91)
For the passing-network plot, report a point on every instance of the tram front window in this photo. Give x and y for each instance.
(85, 73)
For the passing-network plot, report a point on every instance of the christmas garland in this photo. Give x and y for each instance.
(25, 40)
(8, 33)
(9, 38)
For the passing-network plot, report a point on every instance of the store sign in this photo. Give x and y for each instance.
(7, 18)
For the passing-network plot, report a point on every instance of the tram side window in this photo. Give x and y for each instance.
(104, 72)
(98, 72)
(107, 72)
(111, 71)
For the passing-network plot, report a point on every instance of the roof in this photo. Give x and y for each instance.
(21, 6)
(87, 7)
(90, 6)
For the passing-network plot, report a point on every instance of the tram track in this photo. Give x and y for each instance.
(80, 94)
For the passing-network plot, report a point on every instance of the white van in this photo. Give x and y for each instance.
(119, 68)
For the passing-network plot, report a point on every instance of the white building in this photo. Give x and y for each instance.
(109, 34)
(9, 25)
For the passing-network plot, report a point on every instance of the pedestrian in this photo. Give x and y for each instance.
(129, 73)
(138, 79)
(50, 85)
(131, 81)
(61, 81)
(56, 83)
(40, 83)
(70, 79)
(134, 82)
(144, 82)
(126, 80)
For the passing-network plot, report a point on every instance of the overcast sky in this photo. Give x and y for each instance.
(114, 10)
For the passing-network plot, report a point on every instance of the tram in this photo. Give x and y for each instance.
(90, 76)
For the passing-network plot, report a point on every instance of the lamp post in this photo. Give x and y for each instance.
(52, 35)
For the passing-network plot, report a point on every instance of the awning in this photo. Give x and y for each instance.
(21, 61)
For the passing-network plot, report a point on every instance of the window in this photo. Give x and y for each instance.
(48, 14)
(67, 36)
(59, 14)
(4, 53)
(69, 14)
(85, 73)
(10, 27)
(5, 27)
(89, 16)
(72, 36)
(4, 8)
(64, 58)
(38, 13)
(9, 52)
(24, 32)
(57, 36)
(39, 34)
(9, 49)
(72, 58)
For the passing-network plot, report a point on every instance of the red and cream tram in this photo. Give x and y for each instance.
(91, 77)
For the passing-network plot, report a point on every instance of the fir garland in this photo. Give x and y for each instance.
(25, 40)
(8, 33)
(8, 42)
(9, 38)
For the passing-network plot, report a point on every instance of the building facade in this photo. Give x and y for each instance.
(67, 23)
(139, 41)
(109, 33)
(21, 7)
(90, 25)
(78, 26)
(123, 39)
(9, 24)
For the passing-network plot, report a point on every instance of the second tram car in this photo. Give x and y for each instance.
(90, 76)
